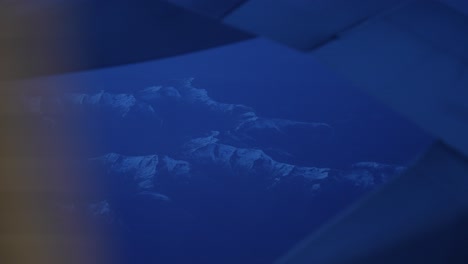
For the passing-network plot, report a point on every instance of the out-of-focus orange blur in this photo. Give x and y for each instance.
(35, 168)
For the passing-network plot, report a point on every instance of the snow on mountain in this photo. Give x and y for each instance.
(141, 173)
(176, 164)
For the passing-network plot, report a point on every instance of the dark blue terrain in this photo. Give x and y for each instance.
(236, 175)
(190, 179)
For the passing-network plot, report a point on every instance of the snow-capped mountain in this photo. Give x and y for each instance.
(175, 164)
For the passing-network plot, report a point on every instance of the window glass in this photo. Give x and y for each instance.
(229, 155)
